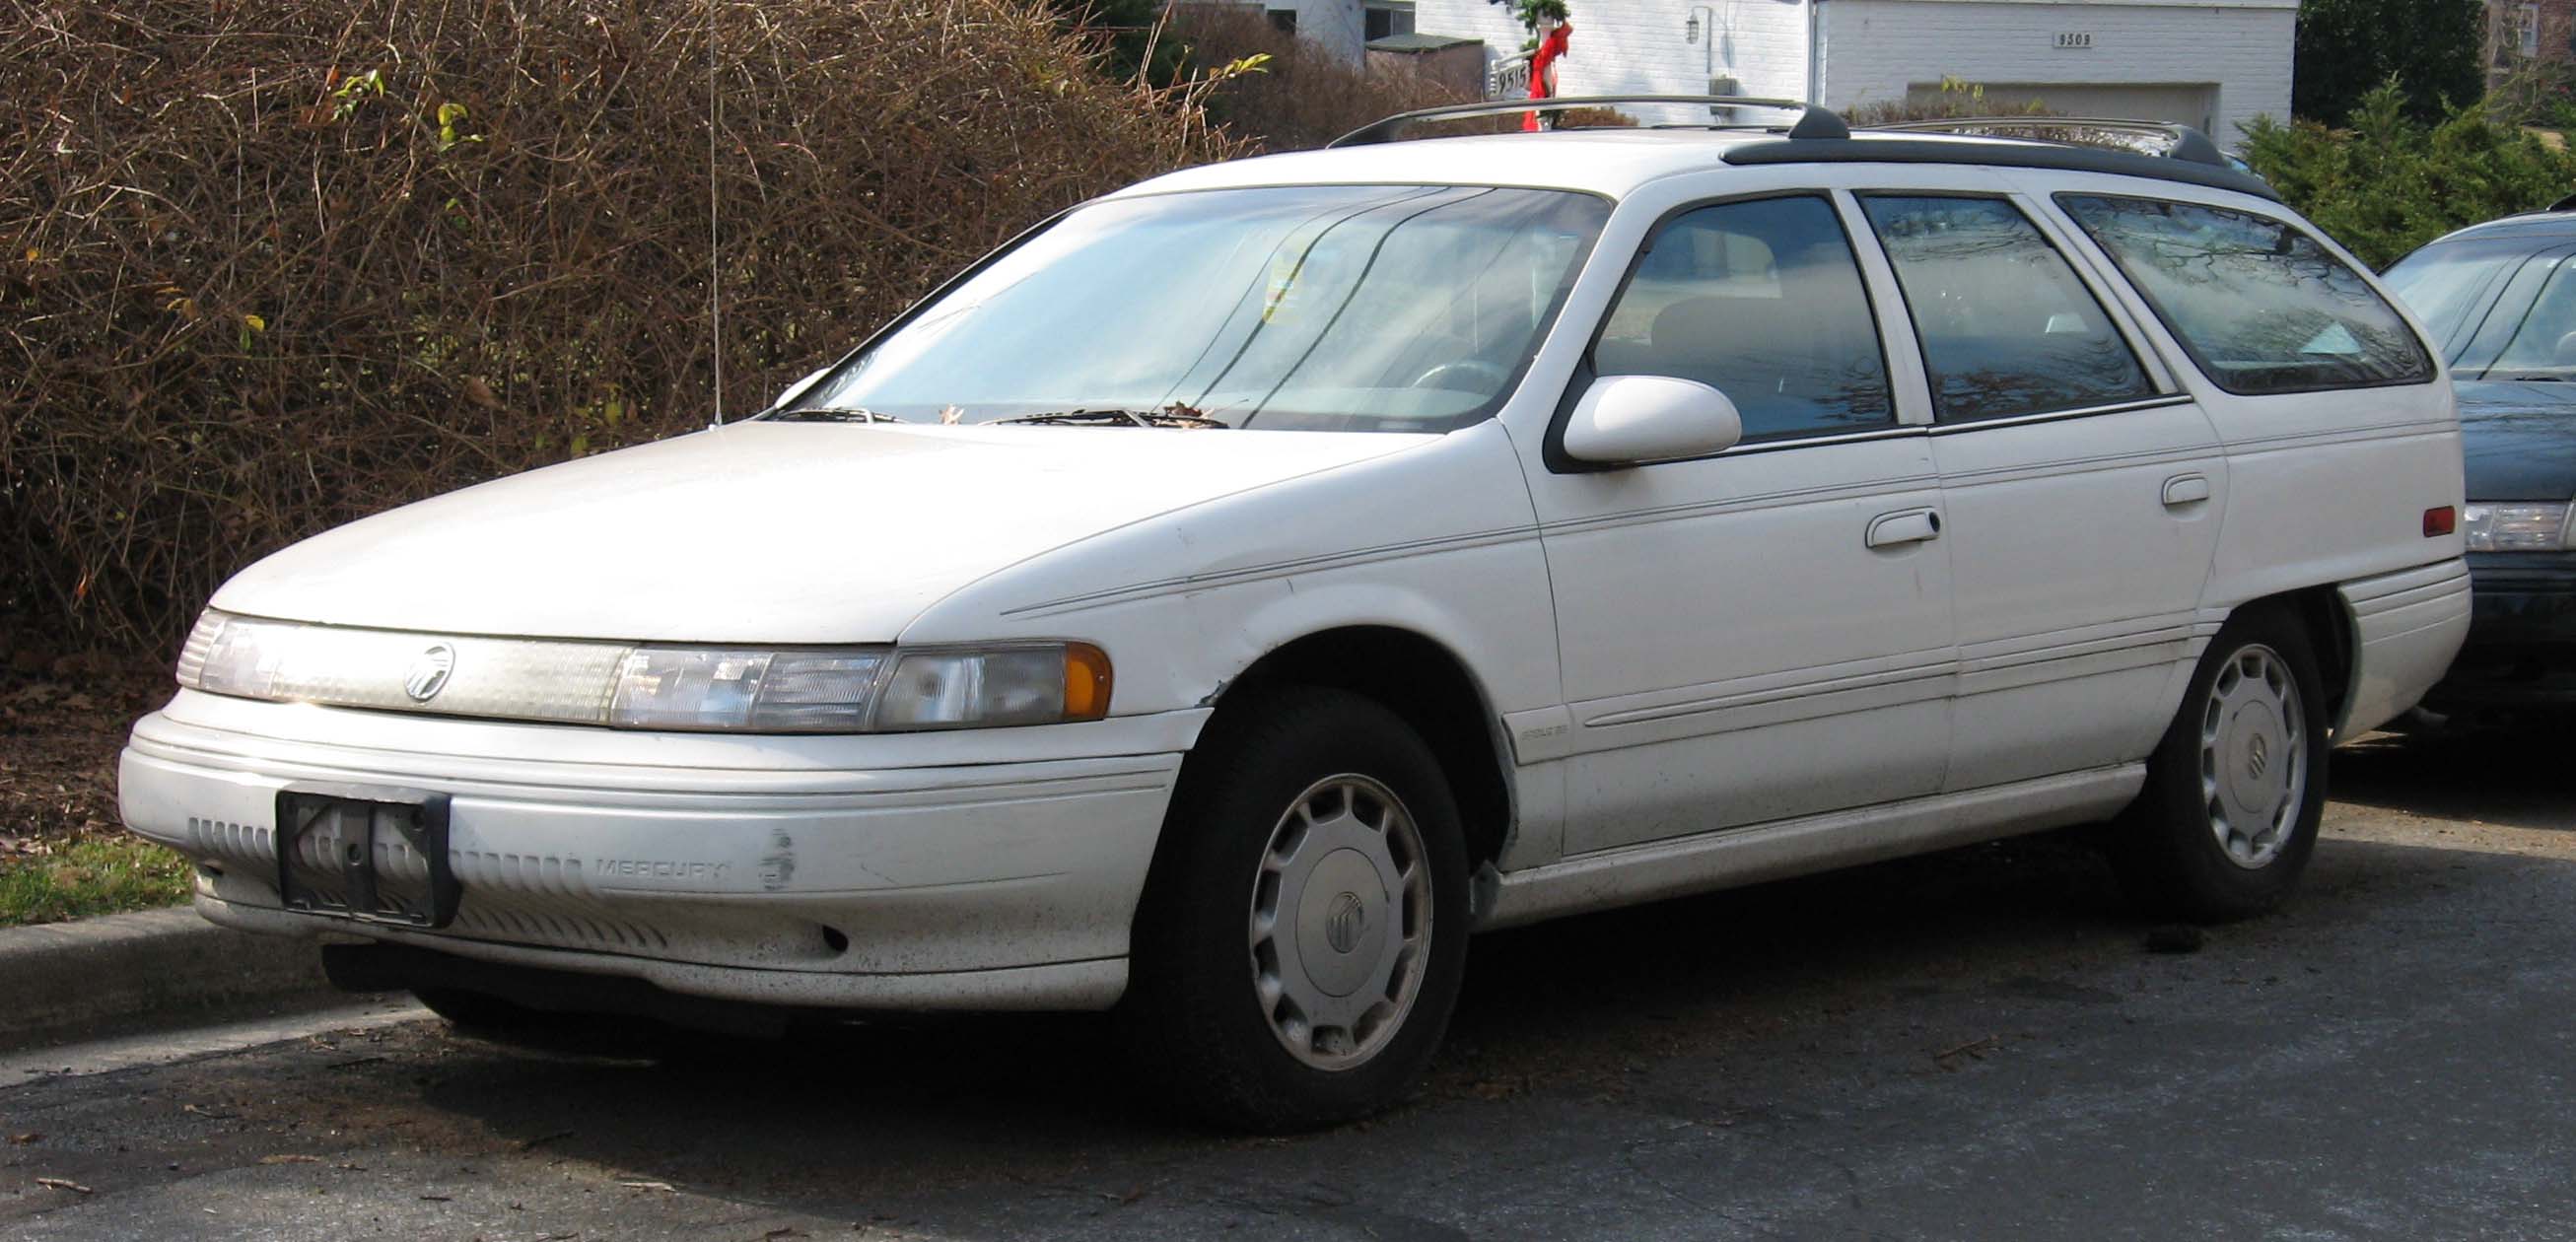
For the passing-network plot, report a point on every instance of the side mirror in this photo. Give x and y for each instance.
(1626, 419)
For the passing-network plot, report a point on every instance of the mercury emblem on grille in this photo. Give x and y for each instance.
(429, 672)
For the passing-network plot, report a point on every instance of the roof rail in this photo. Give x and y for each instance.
(2182, 142)
(1812, 122)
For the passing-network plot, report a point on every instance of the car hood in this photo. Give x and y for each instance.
(762, 532)
(2518, 439)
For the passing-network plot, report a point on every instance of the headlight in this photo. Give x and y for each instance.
(630, 686)
(849, 690)
(2515, 527)
(753, 691)
(942, 689)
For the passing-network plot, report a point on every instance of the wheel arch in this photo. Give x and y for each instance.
(1428, 686)
(2334, 634)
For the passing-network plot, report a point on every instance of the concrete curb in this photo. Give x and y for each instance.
(126, 972)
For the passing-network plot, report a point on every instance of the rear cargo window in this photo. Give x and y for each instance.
(2262, 306)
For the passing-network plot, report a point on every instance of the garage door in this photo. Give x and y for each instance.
(2190, 103)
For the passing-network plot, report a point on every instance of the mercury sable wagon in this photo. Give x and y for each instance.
(1225, 599)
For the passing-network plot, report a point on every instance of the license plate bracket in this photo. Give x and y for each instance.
(359, 814)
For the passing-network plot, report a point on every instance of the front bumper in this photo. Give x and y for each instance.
(2521, 649)
(970, 870)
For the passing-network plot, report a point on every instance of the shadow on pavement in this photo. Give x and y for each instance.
(2524, 776)
(1850, 1009)
(1545, 1007)
(2025, 931)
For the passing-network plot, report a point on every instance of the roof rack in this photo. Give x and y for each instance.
(1812, 122)
(2181, 142)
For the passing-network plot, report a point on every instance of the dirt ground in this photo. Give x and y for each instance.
(62, 720)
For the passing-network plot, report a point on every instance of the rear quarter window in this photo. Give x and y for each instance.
(2262, 306)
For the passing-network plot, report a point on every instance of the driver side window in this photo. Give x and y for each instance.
(2544, 343)
(1762, 301)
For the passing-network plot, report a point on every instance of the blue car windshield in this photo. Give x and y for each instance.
(2442, 283)
(1337, 308)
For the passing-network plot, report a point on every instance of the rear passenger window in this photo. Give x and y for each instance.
(2262, 307)
(2005, 325)
(1762, 301)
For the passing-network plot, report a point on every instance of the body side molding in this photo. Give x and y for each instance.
(1778, 850)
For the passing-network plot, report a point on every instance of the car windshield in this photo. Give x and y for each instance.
(1338, 308)
(2442, 284)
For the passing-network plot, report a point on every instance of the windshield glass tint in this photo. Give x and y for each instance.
(2441, 284)
(1339, 308)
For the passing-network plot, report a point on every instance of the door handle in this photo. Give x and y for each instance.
(1889, 530)
(2186, 489)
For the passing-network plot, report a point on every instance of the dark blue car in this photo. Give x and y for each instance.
(2499, 300)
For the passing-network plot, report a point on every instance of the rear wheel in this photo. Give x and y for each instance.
(1304, 931)
(2234, 792)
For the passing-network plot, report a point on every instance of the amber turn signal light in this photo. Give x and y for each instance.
(1086, 682)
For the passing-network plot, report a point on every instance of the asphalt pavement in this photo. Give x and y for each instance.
(1979, 1044)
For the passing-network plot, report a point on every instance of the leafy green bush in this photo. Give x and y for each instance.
(2346, 48)
(2390, 183)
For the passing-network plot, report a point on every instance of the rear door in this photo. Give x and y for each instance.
(2082, 488)
(2341, 436)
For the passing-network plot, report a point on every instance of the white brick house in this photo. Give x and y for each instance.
(2216, 64)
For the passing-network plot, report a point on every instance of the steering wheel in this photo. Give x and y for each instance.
(1496, 376)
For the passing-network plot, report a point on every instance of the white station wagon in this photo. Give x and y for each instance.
(1225, 599)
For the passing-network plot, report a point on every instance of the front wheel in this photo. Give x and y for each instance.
(2234, 792)
(1303, 934)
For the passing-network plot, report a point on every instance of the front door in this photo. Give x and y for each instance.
(1765, 632)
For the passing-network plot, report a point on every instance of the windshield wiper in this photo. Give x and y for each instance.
(833, 414)
(1176, 416)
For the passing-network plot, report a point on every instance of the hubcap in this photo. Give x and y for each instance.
(2253, 756)
(1341, 922)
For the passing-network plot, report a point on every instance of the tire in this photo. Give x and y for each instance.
(1292, 967)
(2234, 791)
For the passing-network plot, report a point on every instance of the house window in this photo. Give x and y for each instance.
(2526, 29)
(1385, 19)
(1284, 20)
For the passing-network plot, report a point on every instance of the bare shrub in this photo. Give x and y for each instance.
(1304, 96)
(267, 267)
(1957, 98)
